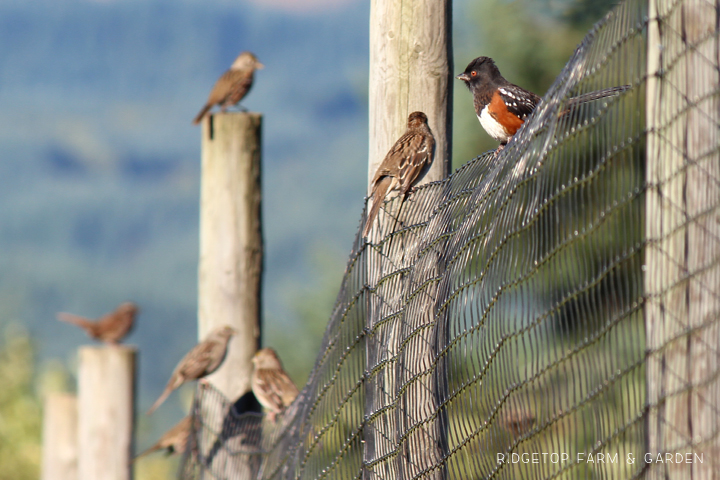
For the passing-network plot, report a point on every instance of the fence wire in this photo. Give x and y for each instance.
(547, 312)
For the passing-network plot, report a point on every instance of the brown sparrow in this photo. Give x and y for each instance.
(202, 360)
(233, 85)
(174, 441)
(110, 328)
(403, 164)
(270, 383)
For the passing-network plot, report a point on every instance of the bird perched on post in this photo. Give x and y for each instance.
(110, 328)
(404, 163)
(202, 360)
(503, 107)
(271, 385)
(233, 85)
(174, 441)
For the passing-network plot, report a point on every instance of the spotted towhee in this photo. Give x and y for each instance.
(403, 164)
(503, 107)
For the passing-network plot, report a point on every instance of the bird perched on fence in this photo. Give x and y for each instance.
(110, 328)
(503, 107)
(202, 360)
(233, 85)
(403, 164)
(174, 441)
(271, 385)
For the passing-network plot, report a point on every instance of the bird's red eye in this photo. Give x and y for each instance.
(473, 73)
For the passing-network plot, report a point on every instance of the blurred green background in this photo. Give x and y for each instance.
(99, 177)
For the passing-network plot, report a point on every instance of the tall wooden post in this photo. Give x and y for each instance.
(231, 249)
(106, 412)
(410, 70)
(60, 437)
(682, 274)
(231, 263)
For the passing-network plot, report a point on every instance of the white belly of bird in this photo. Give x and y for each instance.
(492, 127)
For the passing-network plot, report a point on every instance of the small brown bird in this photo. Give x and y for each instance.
(174, 441)
(403, 164)
(110, 328)
(518, 422)
(270, 383)
(233, 85)
(202, 360)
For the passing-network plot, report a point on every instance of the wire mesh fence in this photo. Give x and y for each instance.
(550, 311)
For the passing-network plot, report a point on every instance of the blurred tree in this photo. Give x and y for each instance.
(298, 344)
(20, 409)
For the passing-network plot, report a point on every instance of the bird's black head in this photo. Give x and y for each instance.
(480, 71)
(415, 119)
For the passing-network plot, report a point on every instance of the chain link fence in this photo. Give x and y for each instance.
(550, 311)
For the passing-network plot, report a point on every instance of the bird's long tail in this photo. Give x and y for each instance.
(168, 390)
(81, 322)
(597, 95)
(202, 113)
(378, 199)
(152, 449)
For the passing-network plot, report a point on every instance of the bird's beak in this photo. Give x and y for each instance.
(259, 66)
(464, 77)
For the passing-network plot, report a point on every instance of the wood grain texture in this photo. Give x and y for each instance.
(60, 437)
(231, 248)
(682, 274)
(106, 412)
(410, 70)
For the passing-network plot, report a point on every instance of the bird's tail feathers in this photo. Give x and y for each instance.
(597, 95)
(81, 322)
(378, 199)
(152, 449)
(160, 400)
(202, 113)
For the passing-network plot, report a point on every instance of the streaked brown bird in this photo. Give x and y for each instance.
(202, 360)
(110, 328)
(403, 164)
(174, 441)
(233, 85)
(271, 385)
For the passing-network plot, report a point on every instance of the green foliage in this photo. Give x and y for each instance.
(20, 409)
(298, 344)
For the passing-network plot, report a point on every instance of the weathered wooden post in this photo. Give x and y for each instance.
(410, 70)
(231, 263)
(231, 248)
(106, 412)
(60, 437)
(682, 273)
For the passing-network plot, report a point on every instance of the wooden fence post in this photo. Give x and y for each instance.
(231, 248)
(106, 412)
(231, 266)
(410, 70)
(682, 274)
(60, 437)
